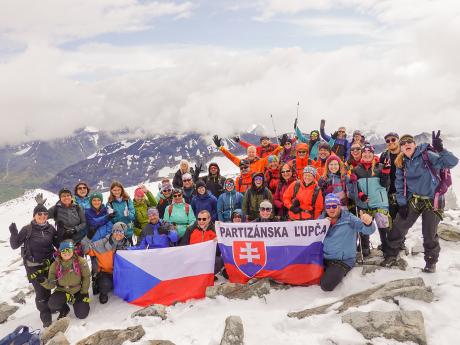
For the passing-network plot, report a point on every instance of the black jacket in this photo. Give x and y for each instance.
(70, 221)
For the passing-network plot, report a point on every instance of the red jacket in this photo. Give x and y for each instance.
(272, 179)
(305, 196)
(278, 197)
(262, 152)
(300, 163)
(243, 182)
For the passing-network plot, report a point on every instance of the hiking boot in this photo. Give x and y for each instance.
(379, 247)
(95, 287)
(103, 298)
(47, 323)
(389, 261)
(64, 311)
(429, 268)
(366, 252)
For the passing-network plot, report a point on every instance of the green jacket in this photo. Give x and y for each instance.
(70, 281)
(179, 217)
(141, 217)
(252, 199)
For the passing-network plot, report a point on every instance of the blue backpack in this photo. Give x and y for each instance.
(21, 336)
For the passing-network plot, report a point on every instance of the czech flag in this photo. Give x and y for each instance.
(288, 252)
(164, 276)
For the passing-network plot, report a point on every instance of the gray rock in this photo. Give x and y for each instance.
(158, 342)
(400, 264)
(152, 310)
(398, 325)
(417, 249)
(58, 339)
(57, 326)
(6, 310)
(20, 297)
(114, 336)
(413, 288)
(233, 332)
(449, 232)
(255, 287)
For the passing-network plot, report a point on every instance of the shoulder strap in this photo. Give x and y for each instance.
(170, 208)
(187, 209)
(313, 200)
(296, 188)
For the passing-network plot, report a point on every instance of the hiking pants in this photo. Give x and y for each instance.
(430, 221)
(334, 272)
(105, 282)
(42, 295)
(58, 302)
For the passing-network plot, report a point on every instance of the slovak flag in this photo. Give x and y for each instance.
(165, 275)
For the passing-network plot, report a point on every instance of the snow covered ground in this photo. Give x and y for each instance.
(265, 320)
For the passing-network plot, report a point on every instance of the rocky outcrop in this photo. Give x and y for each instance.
(152, 310)
(233, 332)
(58, 339)
(57, 326)
(6, 310)
(449, 232)
(255, 287)
(114, 336)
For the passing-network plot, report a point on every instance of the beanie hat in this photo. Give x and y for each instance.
(64, 190)
(273, 159)
(237, 212)
(391, 134)
(79, 184)
(266, 204)
(244, 162)
(200, 183)
(139, 193)
(165, 186)
(119, 227)
(333, 158)
(406, 137)
(40, 208)
(152, 211)
(95, 195)
(331, 199)
(186, 176)
(324, 145)
(309, 169)
(357, 132)
(68, 244)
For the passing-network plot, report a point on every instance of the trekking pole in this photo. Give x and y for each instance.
(359, 234)
(298, 103)
(273, 123)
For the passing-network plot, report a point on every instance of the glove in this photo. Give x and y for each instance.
(363, 197)
(91, 232)
(41, 279)
(295, 209)
(283, 139)
(110, 210)
(296, 203)
(334, 135)
(68, 233)
(198, 168)
(217, 141)
(112, 215)
(237, 139)
(386, 166)
(322, 124)
(13, 229)
(39, 199)
(403, 211)
(163, 229)
(436, 141)
(353, 178)
(295, 124)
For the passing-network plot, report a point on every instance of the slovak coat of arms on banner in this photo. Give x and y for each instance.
(250, 256)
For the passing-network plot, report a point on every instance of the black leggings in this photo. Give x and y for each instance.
(58, 302)
(334, 272)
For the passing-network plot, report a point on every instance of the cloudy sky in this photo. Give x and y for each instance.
(220, 66)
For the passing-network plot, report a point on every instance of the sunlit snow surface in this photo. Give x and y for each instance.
(265, 321)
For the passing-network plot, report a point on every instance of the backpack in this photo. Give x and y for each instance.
(187, 209)
(21, 336)
(313, 199)
(443, 177)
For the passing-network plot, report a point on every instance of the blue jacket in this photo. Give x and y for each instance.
(374, 186)
(119, 207)
(100, 221)
(205, 202)
(340, 241)
(227, 203)
(419, 179)
(337, 142)
(313, 155)
(83, 202)
(151, 239)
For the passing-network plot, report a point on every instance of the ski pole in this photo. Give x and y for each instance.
(359, 234)
(298, 103)
(273, 123)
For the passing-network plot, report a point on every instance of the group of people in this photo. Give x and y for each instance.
(307, 177)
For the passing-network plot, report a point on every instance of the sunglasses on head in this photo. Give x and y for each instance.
(202, 219)
(187, 180)
(285, 171)
(333, 206)
(404, 142)
(42, 213)
(392, 140)
(265, 209)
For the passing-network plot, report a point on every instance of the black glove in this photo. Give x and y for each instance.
(322, 124)
(40, 279)
(68, 233)
(13, 229)
(436, 141)
(295, 124)
(403, 211)
(39, 199)
(163, 229)
(295, 209)
(112, 215)
(283, 139)
(296, 203)
(198, 168)
(334, 135)
(237, 139)
(91, 232)
(217, 140)
(59, 224)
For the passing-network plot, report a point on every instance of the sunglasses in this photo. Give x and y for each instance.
(258, 178)
(187, 180)
(314, 135)
(237, 216)
(213, 168)
(404, 142)
(265, 209)
(340, 131)
(202, 219)
(228, 184)
(82, 187)
(285, 171)
(244, 167)
(355, 149)
(167, 191)
(334, 206)
(42, 213)
(67, 250)
(392, 140)
(177, 195)
(302, 152)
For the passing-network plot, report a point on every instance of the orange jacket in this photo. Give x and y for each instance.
(300, 163)
(104, 251)
(262, 152)
(257, 165)
(304, 195)
(243, 182)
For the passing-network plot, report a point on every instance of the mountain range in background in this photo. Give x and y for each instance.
(99, 157)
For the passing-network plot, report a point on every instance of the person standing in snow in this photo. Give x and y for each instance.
(204, 200)
(254, 196)
(214, 181)
(164, 198)
(184, 168)
(81, 196)
(312, 141)
(287, 154)
(189, 190)
(338, 141)
(416, 191)
(287, 177)
(37, 241)
(335, 179)
(143, 200)
(179, 213)
(266, 213)
(272, 173)
(265, 149)
(121, 204)
(339, 245)
(228, 201)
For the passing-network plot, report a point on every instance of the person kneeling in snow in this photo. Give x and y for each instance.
(157, 233)
(70, 276)
(104, 251)
(340, 242)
